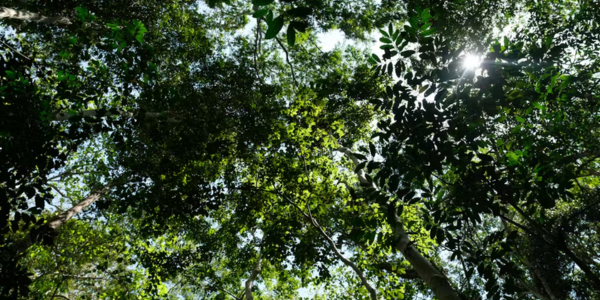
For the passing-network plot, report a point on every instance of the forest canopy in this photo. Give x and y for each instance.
(216, 149)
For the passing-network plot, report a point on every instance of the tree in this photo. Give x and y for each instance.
(230, 166)
(505, 148)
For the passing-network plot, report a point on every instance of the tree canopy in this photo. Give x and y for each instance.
(216, 150)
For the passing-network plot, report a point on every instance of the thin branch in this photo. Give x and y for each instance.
(80, 277)
(67, 173)
(287, 58)
(230, 293)
(347, 262)
(56, 289)
(518, 225)
(589, 173)
(256, 51)
(60, 192)
(14, 50)
(582, 210)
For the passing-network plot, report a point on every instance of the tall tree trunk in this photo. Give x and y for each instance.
(253, 275)
(436, 281)
(9, 13)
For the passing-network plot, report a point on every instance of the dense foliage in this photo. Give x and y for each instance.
(214, 150)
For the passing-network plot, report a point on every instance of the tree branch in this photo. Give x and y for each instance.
(9, 13)
(287, 58)
(347, 262)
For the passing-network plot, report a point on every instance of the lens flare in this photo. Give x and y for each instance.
(471, 61)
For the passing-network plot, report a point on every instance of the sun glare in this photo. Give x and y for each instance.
(471, 61)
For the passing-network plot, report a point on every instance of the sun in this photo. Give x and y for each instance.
(472, 61)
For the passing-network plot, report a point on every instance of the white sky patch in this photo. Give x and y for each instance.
(330, 39)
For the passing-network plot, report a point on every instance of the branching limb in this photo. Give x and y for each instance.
(287, 58)
(347, 262)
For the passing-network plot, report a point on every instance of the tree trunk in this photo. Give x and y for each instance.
(253, 275)
(9, 13)
(437, 282)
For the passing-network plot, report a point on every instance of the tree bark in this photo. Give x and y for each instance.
(437, 282)
(253, 275)
(60, 219)
(9, 13)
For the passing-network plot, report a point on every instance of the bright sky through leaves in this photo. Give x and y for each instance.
(472, 61)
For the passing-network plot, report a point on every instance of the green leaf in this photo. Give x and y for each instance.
(300, 12)
(407, 53)
(385, 40)
(425, 15)
(262, 2)
(375, 102)
(291, 36)
(521, 120)
(360, 166)
(372, 149)
(274, 27)
(548, 41)
(359, 156)
(260, 13)
(10, 74)
(428, 32)
(82, 13)
(513, 157)
(299, 26)
(376, 58)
